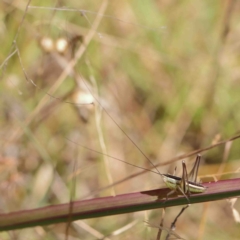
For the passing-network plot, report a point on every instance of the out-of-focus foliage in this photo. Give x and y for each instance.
(166, 71)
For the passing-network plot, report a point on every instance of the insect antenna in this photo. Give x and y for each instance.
(115, 122)
(118, 159)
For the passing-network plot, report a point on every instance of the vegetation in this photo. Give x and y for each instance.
(161, 74)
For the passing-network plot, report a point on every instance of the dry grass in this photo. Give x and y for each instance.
(167, 72)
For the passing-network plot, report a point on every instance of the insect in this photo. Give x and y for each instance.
(186, 184)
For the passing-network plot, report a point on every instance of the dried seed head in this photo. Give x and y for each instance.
(47, 44)
(61, 45)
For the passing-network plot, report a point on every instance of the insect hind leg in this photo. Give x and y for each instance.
(183, 193)
(174, 191)
(169, 194)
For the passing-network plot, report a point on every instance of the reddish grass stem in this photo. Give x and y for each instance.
(107, 206)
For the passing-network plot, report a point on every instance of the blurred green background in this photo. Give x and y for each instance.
(166, 71)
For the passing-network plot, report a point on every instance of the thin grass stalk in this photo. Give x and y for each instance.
(107, 206)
